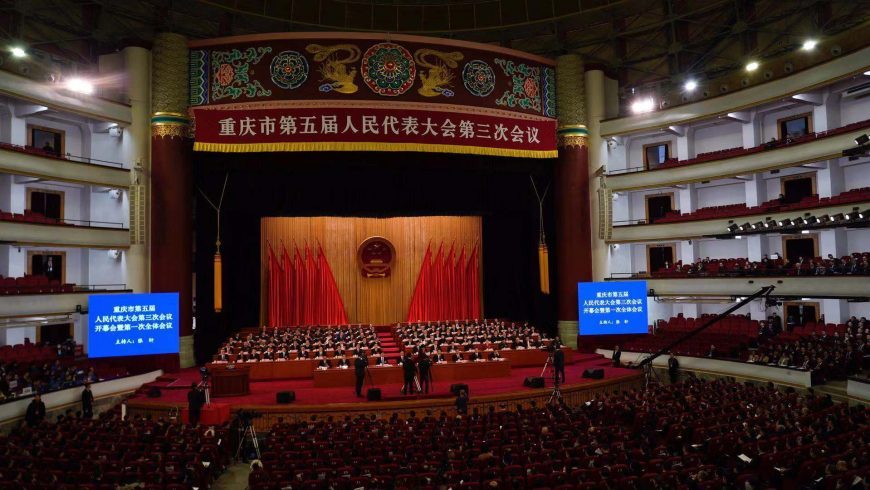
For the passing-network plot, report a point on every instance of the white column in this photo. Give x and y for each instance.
(756, 190)
(688, 251)
(833, 242)
(137, 150)
(835, 310)
(686, 144)
(757, 310)
(594, 113)
(752, 130)
(827, 115)
(757, 247)
(830, 180)
(688, 199)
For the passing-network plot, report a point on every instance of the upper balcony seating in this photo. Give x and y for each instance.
(855, 264)
(32, 151)
(730, 336)
(31, 217)
(33, 285)
(772, 206)
(740, 151)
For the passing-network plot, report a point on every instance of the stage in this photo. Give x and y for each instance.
(174, 388)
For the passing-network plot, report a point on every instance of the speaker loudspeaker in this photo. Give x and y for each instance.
(594, 373)
(284, 397)
(534, 382)
(373, 395)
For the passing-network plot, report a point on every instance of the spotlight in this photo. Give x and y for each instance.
(785, 222)
(809, 45)
(733, 228)
(760, 224)
(752, 66)
(862, 140)
(80, 85)
(641, 106)
(770, 223)
(836, 217)
(690, 85)
(799, 221)
(18, 52)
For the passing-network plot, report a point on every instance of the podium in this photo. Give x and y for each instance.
(230, 380)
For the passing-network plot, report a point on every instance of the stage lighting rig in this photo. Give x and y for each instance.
(861, 150)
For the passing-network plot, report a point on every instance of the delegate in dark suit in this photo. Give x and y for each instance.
(673, 368)
(195, 401)
(559, 364)
(359, 370)
(35, 412)
(425, 372)
(410, 370)
(617, 353)
(87, 402)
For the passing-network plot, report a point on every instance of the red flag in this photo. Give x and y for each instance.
(419, 300)
(310, 288)
(474, 283)
(335, 306)
(461, 284)
(299, 288)
(450, 289)
(438, 285)
(274, 289)
(287, 305)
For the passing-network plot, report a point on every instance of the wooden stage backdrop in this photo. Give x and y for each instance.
(369, 300)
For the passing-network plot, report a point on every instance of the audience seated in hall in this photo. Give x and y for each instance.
(108, 452)
(685, 435)
(469, 339)
(281, 344)
(855, 264)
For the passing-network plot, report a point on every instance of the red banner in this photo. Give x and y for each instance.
(366, 129)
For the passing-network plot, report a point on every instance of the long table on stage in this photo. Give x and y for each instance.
(530, 357)
(299, 368)
(449, 371)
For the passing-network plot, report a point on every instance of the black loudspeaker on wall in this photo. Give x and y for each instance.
(457, 387)
(594, 373)
(284, 397)
(154, 392)
(373, 395)
(534, 382)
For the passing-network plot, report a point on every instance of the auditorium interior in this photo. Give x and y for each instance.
(434, 244)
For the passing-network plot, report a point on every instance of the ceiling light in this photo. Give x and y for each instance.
(809, 45)
(805, 232)
(690, 85)
(770, 223)
(863, 139)
(18, 51)
(80, 85)
(733, 228)
(812, 220)
(641, 106)
(752, 66)
(785, 222)
(799, 221)
(739, 237)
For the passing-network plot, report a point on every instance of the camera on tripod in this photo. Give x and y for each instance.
(246, 417)
(204, 374)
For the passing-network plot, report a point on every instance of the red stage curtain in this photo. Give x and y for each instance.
(447, 288)
(303, 291)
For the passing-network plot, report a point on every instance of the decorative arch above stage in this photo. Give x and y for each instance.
(365, 92)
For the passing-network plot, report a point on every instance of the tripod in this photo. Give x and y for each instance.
(650, 375)
(247, 431)
(556, 394)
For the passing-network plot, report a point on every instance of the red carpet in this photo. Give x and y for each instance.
(263, 392)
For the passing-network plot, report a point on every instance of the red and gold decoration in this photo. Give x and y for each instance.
(498, 103)
(223, 129)
(376, 256)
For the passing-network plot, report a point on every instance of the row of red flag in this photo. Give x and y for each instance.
(302, 290)
(447, 286)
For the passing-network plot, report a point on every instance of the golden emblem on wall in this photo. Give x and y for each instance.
(437, 78)
(334, 70)
(376, 256)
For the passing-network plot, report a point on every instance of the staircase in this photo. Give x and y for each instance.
(389, 346)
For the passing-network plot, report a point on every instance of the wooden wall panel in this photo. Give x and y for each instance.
(376, 301)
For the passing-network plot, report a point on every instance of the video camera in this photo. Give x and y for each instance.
(246, 417)
(204, 373)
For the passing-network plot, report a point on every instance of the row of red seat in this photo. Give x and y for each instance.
(772, 206)
(745, 267)
(32, 151)
(31, 217)
(739, 151)
(30, 284)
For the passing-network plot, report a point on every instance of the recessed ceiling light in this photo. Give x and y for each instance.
(18, 52)
(690, 85)
(642, 105)
(809, 45)
(80, 85)
(752, 66)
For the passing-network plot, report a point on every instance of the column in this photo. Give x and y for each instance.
(171, 182)
(136, 145)
(573, 227)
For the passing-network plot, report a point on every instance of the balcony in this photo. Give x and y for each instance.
(818, 76)
(688, 230)
(56, 98)
(64, 235)
(22, 305)
(795, 286)
(748, 161)
(35, 163)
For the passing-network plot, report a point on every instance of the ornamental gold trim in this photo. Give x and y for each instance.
(571, 141)
(171, 130)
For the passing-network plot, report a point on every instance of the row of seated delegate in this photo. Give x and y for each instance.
(685, 435)
(854, 264)
(772, 206)
(769, 145)
(42, 352)
(449, 337)
(31, 217)
(33, 284)
(109, 452)
(43, 377)
(288, 343)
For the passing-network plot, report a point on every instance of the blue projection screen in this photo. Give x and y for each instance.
(132, 324)
(612, 307)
